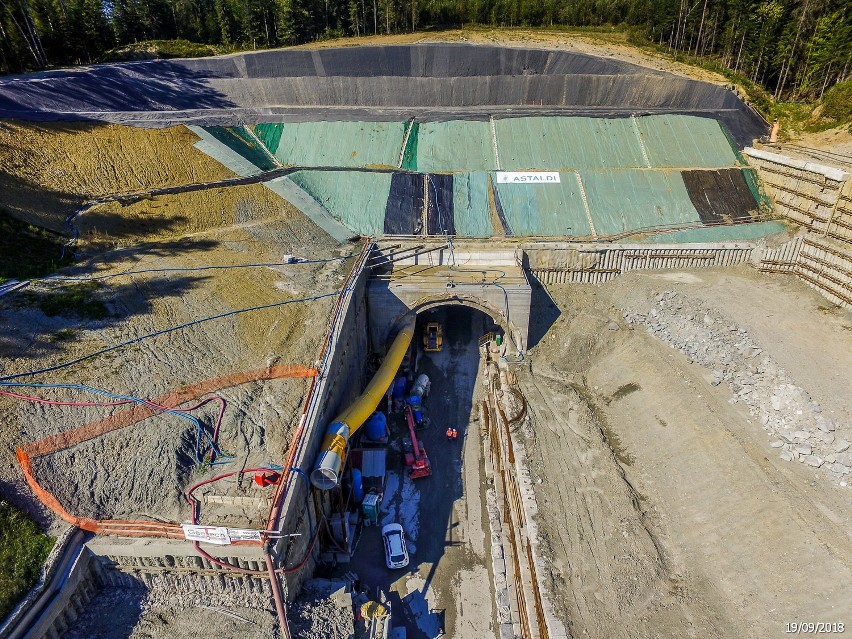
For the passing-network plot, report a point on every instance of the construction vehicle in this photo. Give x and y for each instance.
(416, 458)
(433, 337)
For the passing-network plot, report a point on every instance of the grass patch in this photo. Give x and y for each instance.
(624, 391)
(23, 550)
(837, 105)
(28, 251)
(77, 300)
(64, 335)
(164, 49)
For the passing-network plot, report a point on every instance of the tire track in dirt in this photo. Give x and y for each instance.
(602, 559)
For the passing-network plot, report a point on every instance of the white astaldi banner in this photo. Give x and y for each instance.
(238, 534)
(531, 177)
(219, 535)
(208, 534)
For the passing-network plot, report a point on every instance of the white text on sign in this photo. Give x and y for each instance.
(533, 177)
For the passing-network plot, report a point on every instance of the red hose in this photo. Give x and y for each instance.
(222, 405)
(245, 571)
(56, 403)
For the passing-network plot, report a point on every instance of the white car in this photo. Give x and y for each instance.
(396, 554)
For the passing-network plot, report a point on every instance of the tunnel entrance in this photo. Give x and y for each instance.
(443, 514)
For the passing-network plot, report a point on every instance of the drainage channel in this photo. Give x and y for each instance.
(523, 610)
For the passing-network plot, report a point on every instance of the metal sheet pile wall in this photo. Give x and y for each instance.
(595, 264)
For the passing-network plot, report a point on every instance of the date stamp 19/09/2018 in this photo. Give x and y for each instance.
(814, 627)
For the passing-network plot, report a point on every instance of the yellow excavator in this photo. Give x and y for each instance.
(433, 337)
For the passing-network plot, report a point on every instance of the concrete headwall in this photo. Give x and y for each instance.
(484, 277)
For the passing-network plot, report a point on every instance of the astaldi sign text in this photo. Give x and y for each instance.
(533, 177)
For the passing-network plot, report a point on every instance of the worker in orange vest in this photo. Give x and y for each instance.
(449, 434)
(455, 434)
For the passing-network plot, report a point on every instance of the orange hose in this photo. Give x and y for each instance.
(128, 528)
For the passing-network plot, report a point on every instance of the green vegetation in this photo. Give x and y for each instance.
(153, 49)
(40, 257)
(23, 550)
(77, 300)
(837, 104)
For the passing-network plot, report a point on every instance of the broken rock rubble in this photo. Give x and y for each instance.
(787, 412)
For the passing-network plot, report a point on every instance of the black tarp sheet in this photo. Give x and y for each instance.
(440, 217)
(720, 196)
(403, 213)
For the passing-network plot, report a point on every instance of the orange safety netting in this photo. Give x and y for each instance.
(123, 419)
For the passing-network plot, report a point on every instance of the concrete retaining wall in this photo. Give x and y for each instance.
(341, 379)
(819, 263)
(814, 196)
(818, 199)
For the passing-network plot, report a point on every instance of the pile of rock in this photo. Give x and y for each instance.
(800, 431)
(323, 610)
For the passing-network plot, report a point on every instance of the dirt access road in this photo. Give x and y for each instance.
(445, 590)
(665, 508)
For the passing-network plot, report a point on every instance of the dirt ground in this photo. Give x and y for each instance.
(51, 168)
(100, 478)
(666, 509)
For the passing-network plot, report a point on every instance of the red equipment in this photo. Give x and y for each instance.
(416, 459)
(264, 479)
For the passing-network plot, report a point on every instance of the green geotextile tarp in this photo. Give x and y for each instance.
(628, 199)
(269, 134)
(597, 143)
(343, 144)
(684, 141)
(456, 146)
(545, 143)
(357, 199)
(566, 143)
(409, 153)
(544, 209)
(238, 139)
(735, 233)
(470, 205)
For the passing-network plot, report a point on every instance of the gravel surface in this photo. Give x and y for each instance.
(139, 613)
(799, 429)
(141, 470)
